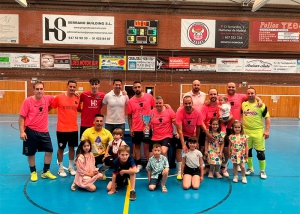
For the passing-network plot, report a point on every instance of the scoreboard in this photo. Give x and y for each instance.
(142, 32)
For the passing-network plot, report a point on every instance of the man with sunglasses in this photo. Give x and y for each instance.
(90, 104)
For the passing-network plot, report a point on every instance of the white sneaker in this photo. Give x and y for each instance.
(62, 173)
(235, 179)
(72, 171)
(249, 171)
(263, 174)
(139, 168)
(244, 180)
(239, 168)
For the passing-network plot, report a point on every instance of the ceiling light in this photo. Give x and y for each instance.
(23, 3)
(258, 4)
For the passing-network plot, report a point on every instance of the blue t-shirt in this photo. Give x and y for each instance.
(118, 165)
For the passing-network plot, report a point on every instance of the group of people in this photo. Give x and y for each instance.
(206, 134)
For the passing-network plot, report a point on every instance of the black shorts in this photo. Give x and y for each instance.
(139, 138)
(36, 141)
(164, 142)
(122, 181)
(178, 143)
(191, 171)
(67, 137)
(155, 181)
(98, 159)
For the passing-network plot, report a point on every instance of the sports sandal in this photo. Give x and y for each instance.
(73, 187)
(164, 189)
(210, 175)
(218, 175)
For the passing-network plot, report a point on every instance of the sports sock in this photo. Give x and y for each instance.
(178, 168)
(70, 163)
(250, 162)
(262, 164)
(46, 167)
(32, 168)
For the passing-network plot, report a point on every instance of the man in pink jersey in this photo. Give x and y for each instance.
(67, 128)
(91, 104)
(140, 104)
(197, 95)
(33, 126)
(161, 123)
(235, 100)
(189, 120)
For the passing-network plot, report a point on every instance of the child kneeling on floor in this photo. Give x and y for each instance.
(124, 168)
(87, 173)
(158, 169)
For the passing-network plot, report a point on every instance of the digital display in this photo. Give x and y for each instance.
(142, 32)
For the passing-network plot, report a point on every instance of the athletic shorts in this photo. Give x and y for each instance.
(98, 159)
(164, 142)
(139, 138)
(122, 181)
(36, 141)
(67, 137)
(178, 143)
(191, 171)
(256, 139)
(155, 181)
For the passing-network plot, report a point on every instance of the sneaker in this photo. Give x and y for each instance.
(239, 168)
(62, 173)
(104, 178)
(244, 180)
(139, 168)
(49, 175)
(225, 173)
(164, 189)
(73, 187)
(210, 175)
(103, 168)
(249, 171)
(72, 171)
(218, 175)
(235, 179)
(179, 177)
(132, 196)
(34, 176)
(263, 174)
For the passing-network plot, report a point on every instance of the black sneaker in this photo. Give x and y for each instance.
(132, 195)
(103, 168)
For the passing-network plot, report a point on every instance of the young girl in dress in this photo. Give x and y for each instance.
(214, 148)
(238, 150)
(86, 173)
(192, 166)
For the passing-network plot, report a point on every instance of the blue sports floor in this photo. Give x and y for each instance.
(279, 193)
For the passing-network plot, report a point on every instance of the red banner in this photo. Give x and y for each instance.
(179, 62)
(276, 31)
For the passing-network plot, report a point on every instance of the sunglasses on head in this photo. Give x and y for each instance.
(192, 141)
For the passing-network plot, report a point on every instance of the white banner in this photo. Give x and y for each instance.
(25, 60)
(9, 28)
(198, 33)
(230, 65)
(56, 61)
(298, 66)
(5, 60)
(141, 63)
(270, 66)
(67, 29)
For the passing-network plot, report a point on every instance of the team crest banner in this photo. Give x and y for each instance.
(198, 33)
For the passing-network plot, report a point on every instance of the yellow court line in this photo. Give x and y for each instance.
(126, 203)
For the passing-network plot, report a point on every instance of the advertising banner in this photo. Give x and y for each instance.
(284, 66)
(9, 28)
(141, 63)
(84, 61)
(198, 33)
(68, 29)
(275, 31)
(112, 62)
(25, 60)
(202, 64)
(230, 65)
(298, 66)
(179, 62)
(232, 34)
(55, 61)
(5, 60)
(258, 65)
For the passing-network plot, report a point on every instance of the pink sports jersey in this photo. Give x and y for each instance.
(161, 123)
(36, 113)
(91, 105)
(236, 101)
(189, 121)
(138, 107)
(209, 112)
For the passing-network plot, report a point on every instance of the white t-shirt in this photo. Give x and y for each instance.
(115, 107)
(226, 111)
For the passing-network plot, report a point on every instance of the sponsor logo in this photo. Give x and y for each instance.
(198, 33)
